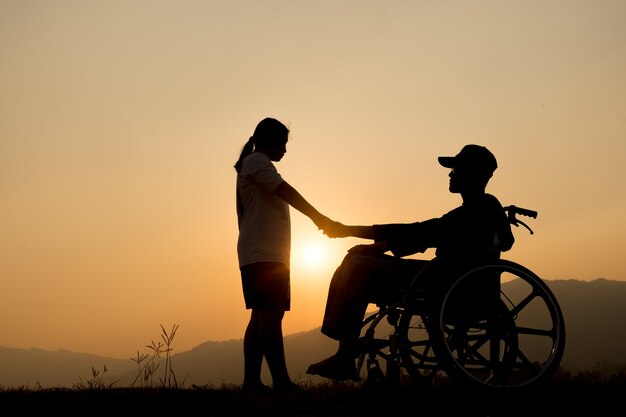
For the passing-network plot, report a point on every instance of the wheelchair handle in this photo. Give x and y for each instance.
(512, 211)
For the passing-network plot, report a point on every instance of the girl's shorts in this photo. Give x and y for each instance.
(266, 285)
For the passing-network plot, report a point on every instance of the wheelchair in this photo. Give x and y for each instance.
(497, 326)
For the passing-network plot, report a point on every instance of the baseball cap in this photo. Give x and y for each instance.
(474, 157)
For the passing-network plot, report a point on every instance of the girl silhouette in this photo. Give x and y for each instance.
(263, 248)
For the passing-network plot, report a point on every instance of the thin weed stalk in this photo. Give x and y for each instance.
(149, 364)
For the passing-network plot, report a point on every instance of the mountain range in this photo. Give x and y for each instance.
(594, 312)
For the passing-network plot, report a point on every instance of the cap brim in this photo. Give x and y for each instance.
(446, 161)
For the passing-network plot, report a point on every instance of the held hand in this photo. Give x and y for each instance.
(335, 229)
(330, 227)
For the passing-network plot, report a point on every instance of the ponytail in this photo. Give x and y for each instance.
(247, 150)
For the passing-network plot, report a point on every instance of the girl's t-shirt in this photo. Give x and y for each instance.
(263, 218)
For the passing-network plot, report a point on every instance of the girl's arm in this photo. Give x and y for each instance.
(295, 199)
(330, 227)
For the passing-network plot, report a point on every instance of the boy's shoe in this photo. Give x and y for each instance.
(334, 367)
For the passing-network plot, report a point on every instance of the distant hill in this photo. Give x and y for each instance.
(32, 367)
(595, 319)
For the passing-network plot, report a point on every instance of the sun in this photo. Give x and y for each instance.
(312, 255)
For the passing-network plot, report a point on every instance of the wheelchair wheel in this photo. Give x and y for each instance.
(511, 340)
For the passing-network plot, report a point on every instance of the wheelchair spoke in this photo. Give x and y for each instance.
(469, 350)
(524, 361)
(550, 333)
(525, 302)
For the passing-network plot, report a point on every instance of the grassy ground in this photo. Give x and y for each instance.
(557, 398)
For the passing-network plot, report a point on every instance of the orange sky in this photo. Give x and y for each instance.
(120, 122)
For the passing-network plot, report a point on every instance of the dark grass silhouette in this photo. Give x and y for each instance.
(584, 394)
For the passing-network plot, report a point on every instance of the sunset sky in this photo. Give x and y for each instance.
(120, 122)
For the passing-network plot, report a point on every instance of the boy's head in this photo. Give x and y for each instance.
(475, 165)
